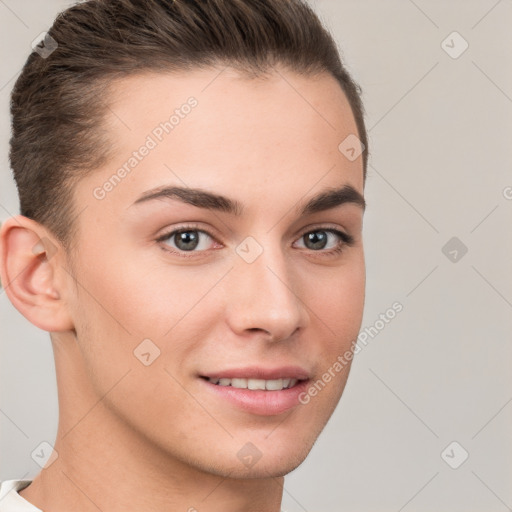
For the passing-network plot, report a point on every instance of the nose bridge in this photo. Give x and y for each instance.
(266, 295)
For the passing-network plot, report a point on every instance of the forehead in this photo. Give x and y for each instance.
(224, 129)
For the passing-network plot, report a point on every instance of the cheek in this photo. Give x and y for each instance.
(337, 311)
(337, 303)
(123, 303)
(145, 300)
(168, 299)
(109, 314)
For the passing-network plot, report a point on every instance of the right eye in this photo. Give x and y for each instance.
(186, 239)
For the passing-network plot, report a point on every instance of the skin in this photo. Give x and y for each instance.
(170, 444)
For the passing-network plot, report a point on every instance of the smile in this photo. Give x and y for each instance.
(257, 389)
(255, 384)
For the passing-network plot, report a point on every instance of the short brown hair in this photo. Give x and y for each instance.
(58, 102)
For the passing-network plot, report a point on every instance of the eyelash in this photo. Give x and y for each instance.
(346, 240)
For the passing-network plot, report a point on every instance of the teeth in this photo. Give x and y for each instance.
(273, 385)
(239, 383)
(256, 384)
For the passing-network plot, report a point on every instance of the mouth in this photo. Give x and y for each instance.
(255, 384)
(259, 391)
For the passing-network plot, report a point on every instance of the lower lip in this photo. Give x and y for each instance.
(264, 403)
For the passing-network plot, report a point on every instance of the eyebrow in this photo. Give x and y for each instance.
(203, 199)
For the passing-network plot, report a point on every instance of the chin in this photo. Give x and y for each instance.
(275, 460)
(269, 468)
(276, 452)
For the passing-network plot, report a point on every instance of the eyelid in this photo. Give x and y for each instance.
(341, 232)
(192, 226)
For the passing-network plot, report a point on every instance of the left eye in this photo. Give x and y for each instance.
(321, 239)
(187, 240)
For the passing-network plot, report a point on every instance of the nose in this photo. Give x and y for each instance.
(264, 296)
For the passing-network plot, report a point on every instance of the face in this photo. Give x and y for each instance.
(221, 270)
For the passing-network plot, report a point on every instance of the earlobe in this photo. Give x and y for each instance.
(29, 270)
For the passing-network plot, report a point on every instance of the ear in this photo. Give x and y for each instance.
(31, 273)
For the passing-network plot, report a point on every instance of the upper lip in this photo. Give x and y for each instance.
(258, 372)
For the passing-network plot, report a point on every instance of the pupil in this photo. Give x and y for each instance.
(186, 240)
(316, 240)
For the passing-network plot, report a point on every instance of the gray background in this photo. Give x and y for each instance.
(440, 131)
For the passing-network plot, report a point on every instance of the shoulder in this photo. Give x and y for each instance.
(11, 501)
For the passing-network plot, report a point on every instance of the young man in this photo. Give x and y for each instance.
(191, 180)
